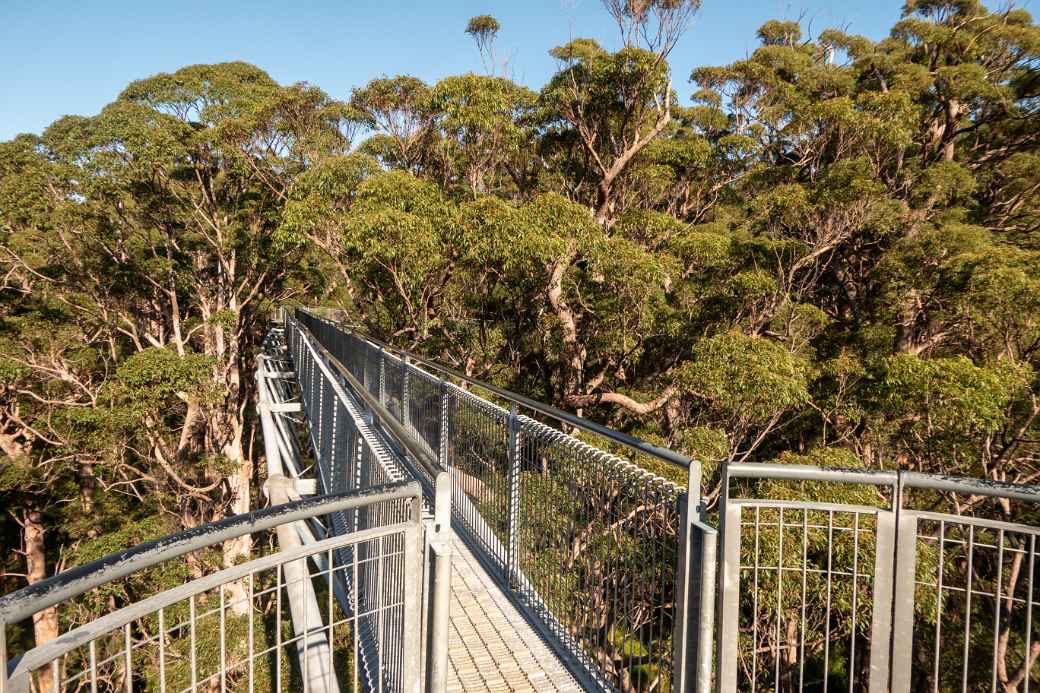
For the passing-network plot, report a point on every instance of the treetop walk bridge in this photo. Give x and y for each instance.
(430, 532)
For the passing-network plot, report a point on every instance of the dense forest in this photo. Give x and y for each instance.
(832, 256)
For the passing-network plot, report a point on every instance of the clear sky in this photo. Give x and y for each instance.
(62, 57)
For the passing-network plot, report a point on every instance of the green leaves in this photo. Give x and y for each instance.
(950, 396)
(155, 379)
(746, 377)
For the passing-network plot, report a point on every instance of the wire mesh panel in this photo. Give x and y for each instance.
(805, 594)
(425, 400)
(974, 619)
(478, 461)
(595, 546)
(393, 386)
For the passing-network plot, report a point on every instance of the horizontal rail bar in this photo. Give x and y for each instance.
(952, 484)
(805, 505)
(976, 487)
(965, 520)
(548, 410)
(806, 472)
(75, 581)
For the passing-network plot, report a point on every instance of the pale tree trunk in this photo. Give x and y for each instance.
(45, 623)
(240, 549)
(10, 446)
(790, 659)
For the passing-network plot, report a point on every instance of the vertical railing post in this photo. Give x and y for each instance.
(406, 414)
(513, 485)
(411, 652)
(382, 376)
(881, 620)
(439, 587)
(728, 601)
(903, 595)
(442, 448)
(693, 637)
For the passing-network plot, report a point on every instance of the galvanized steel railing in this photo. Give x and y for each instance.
(348, 450)
(340, 606)
(599, 550)
(231, 629)
(828, 579)
(854, 580)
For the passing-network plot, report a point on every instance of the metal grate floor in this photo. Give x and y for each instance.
(491, 646)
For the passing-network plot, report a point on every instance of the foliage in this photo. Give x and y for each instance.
(831, 256)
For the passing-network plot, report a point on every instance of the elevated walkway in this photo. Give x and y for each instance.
(429, 538)
(492, 643)
(492, 646)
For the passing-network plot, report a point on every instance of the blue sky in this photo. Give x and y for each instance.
(63, 57)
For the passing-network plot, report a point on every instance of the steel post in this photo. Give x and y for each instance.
(411, 653)
(707, 545)
(694, 626)
(513, 485)
(905, 578)
(881, 620)
(728, 592)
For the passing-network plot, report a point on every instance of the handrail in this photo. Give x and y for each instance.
(385, 417)
(83, 634)
(656, 451)
(808, 472)
(71, 583)
(1029, 493)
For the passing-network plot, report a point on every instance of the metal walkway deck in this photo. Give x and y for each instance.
(491, 645)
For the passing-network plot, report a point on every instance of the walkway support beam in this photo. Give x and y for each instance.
(312, 647)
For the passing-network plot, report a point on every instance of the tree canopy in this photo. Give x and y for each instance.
(831, 253)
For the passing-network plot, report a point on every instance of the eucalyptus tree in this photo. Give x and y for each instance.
(484, 140)
(484, 29)
(398, 111)
(148, 240)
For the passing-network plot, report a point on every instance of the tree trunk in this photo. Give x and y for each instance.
(87, 488)
(240, 549)
(45, 623)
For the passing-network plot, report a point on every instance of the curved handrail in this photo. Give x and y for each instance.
(82, 635)
(71, 583)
